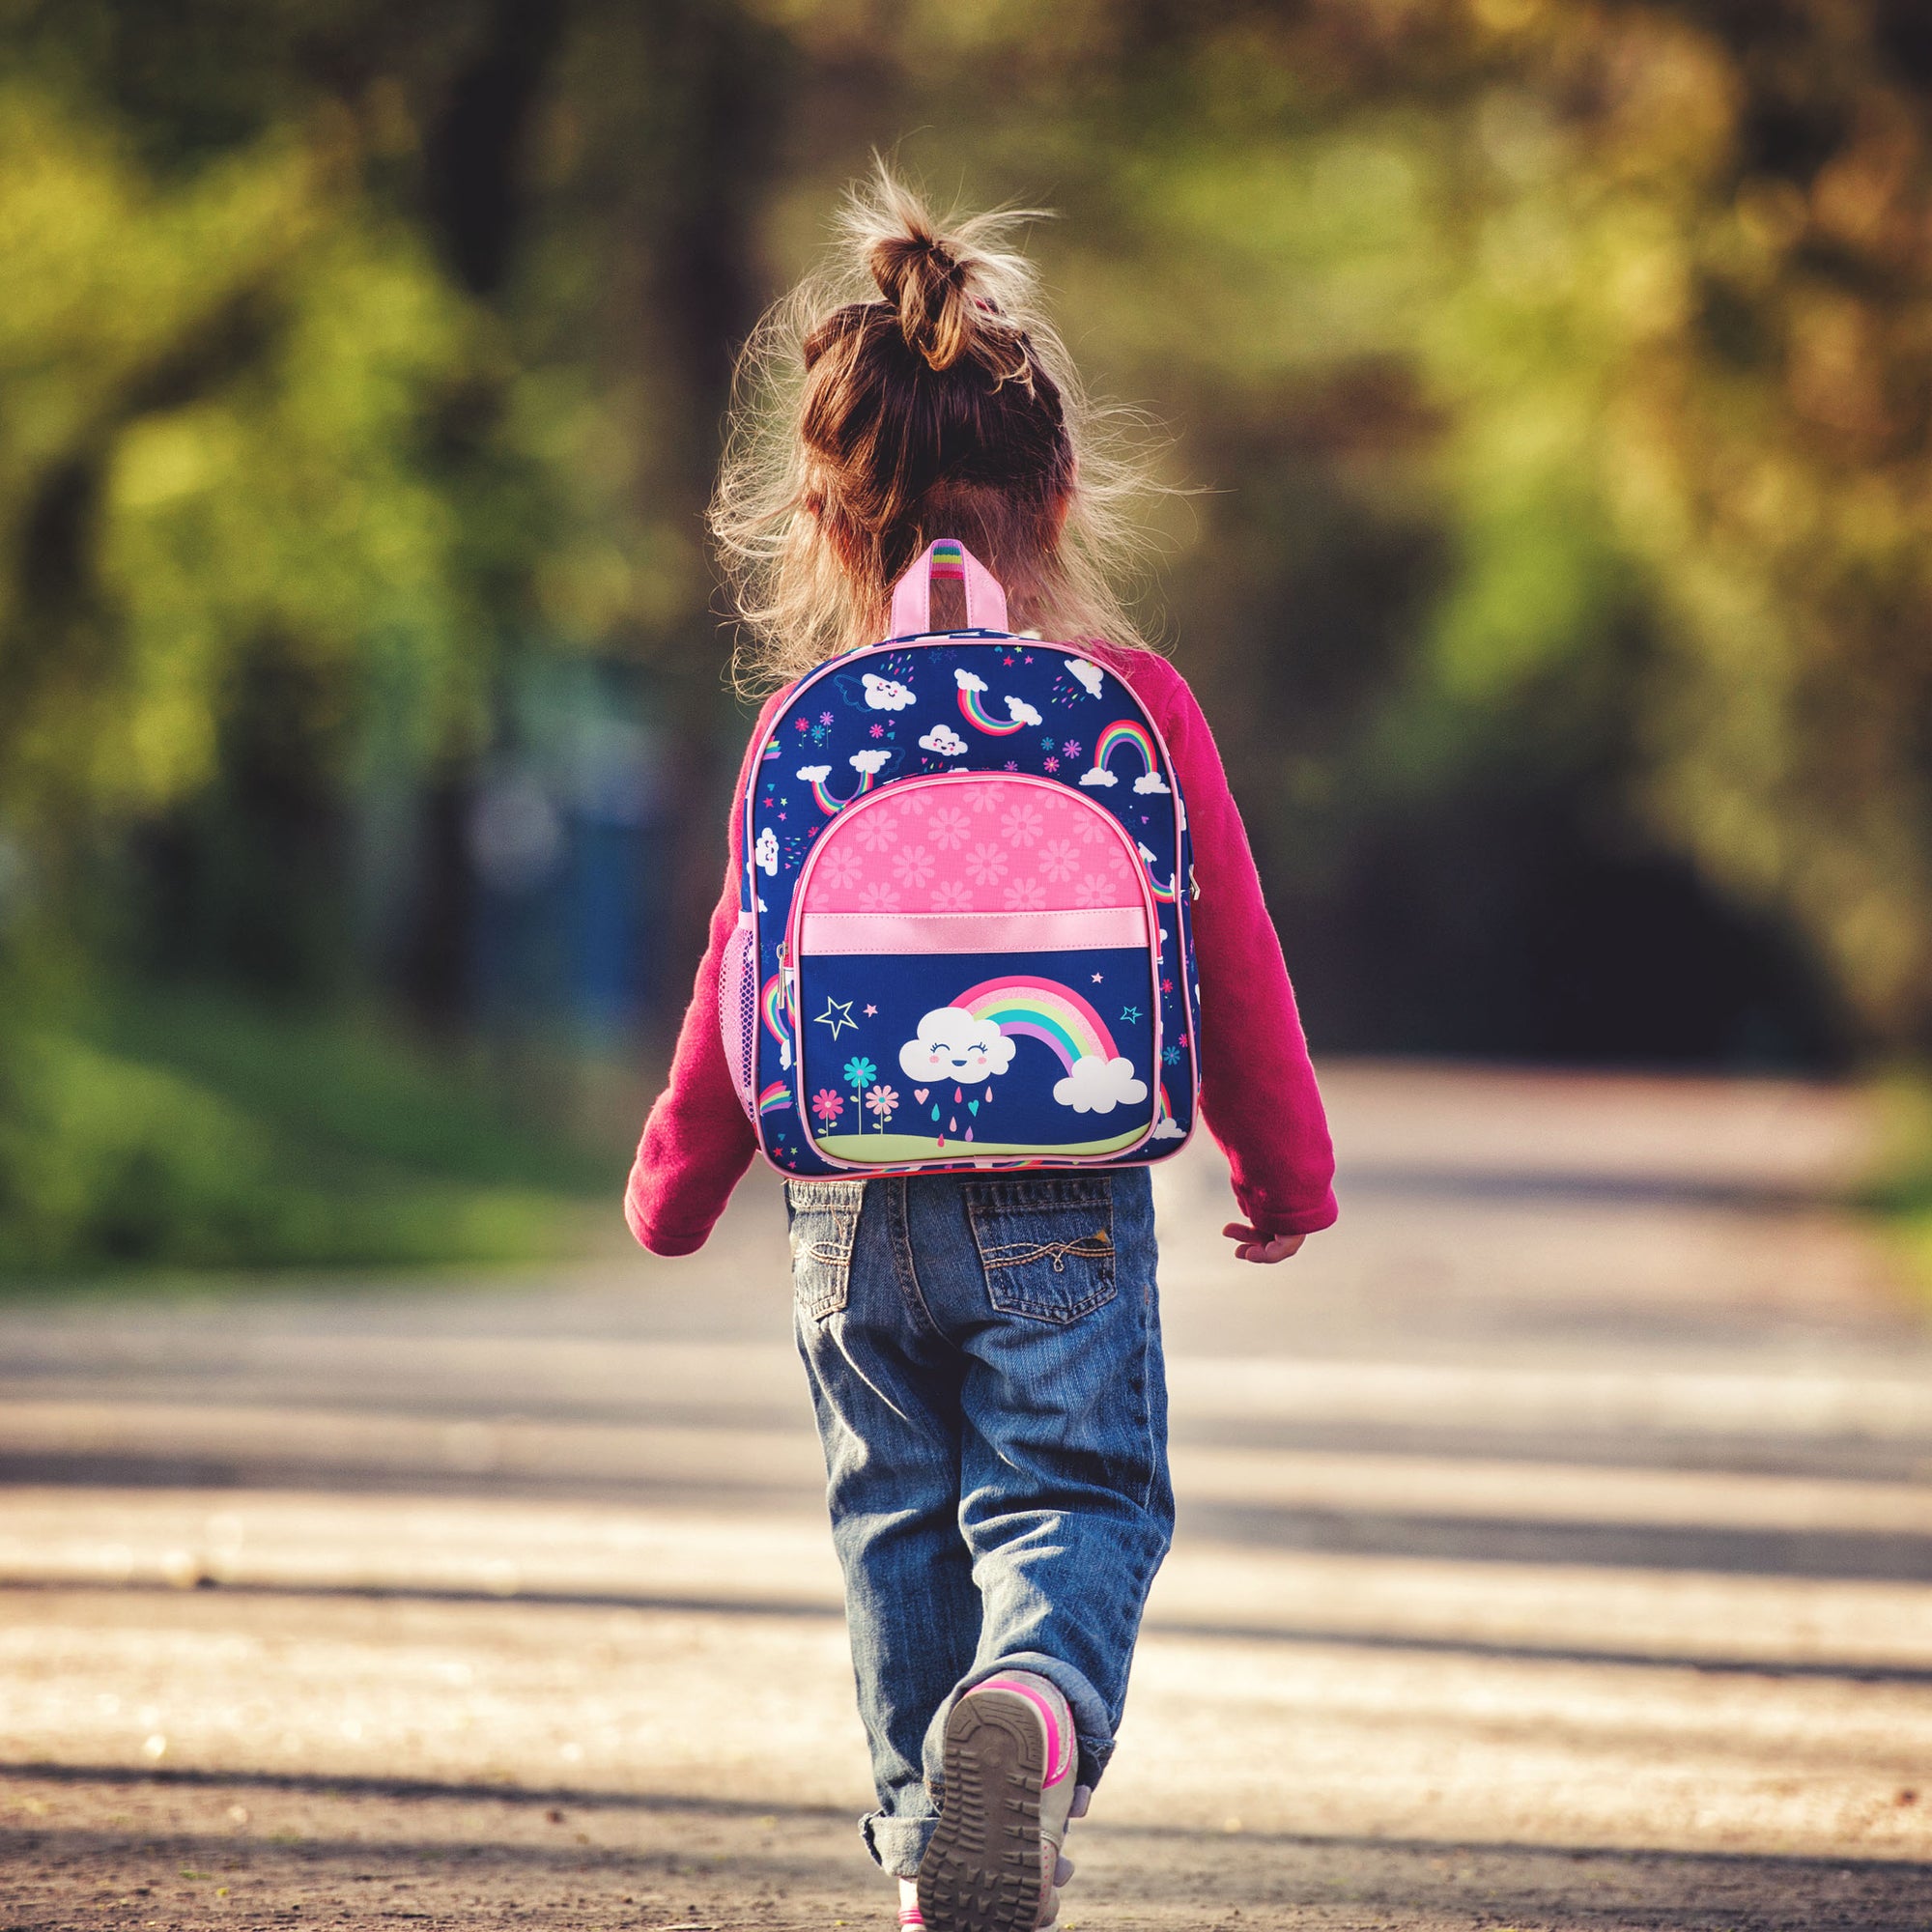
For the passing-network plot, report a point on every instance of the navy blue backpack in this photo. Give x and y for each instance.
(963, 939)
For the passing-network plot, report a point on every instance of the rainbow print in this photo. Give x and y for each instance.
(1041, 1010)
(948, 560)
(770, 752)
(1165, 893)
(868, 764)
(1124, 731)
(972, 706)
(772, 1008)
(775, 1099)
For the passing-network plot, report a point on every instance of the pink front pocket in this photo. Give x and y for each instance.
(1011, 917)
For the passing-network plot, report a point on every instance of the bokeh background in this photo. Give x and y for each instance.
(1548, 386)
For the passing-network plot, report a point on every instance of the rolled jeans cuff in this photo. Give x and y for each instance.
(898, 1844)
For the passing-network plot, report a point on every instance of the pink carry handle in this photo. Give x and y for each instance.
(947, 556)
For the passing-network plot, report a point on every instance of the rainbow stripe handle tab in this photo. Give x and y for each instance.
(947, 556)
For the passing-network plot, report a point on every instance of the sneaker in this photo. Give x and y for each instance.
(994, 1862)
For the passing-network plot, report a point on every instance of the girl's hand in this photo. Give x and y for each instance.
(1252, 1245)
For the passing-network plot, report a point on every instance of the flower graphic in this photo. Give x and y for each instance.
(827, 1105)
(1092, 828)
(1051, 765)
(1026, 895)
(1056, 859)
(987, 797)
(1071, 749)
(878, 730)
(1013, 765)
(949, 895)
(860, 1071)
(842, 867)
(877, 829)
(1171, 1055)
(1023, 824)
(825, 718)
(804, 724)
(1092, 890)
(878, 896)
(947, 827)
(988, 864)
(882, 1100)
(913, 866)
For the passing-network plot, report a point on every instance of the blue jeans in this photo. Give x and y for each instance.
(985, 1366)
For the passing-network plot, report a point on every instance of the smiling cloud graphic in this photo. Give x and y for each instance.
(952, 1045)
(944, 739)
(766, 852)
(1097, 1086)
(885, 693)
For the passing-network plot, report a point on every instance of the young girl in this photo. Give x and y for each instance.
(997, 1475)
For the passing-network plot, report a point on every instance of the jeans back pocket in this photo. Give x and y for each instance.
(824, 1225)
(1046, 1243)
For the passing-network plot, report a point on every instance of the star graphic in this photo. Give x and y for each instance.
(1130, 1014)
(870, 1011)
(838, 1013)
(1097, 978)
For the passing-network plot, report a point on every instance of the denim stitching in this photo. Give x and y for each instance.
(898, 1216)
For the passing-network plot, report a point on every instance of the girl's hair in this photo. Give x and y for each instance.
(865, 425)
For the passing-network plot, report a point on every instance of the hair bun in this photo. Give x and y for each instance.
(925, 281)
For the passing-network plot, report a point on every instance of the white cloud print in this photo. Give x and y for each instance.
(967, 681)
(766, 852)
(874, 762)
(1097, 1086)
(885, 693)
(1168, 1128)
(1089, 674)
(1021, 712)
(1097, 774)
(813, 774)
(952, 1045)
(944, 739)
(1150, 782)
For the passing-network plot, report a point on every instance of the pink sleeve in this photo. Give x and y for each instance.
(698, 1143)
(1258, 1091)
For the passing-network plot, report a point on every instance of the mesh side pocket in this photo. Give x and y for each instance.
(738, 1009)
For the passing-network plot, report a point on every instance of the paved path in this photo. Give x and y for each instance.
(1555, 1550)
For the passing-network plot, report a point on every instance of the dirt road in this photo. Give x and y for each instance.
(1555, 1551)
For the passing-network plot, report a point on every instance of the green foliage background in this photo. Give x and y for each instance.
(1558, 374)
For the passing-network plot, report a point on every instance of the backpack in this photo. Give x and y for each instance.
(963, 937)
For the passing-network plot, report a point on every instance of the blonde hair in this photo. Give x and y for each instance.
(912, 388)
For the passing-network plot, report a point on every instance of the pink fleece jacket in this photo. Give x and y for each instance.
(1258, 1091)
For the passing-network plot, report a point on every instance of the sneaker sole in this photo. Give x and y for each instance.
(981, 1871)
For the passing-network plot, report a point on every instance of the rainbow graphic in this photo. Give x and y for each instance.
(1165, 893)
(868, 764)
(775, 1099)
(1124, 731)
(947, 559)
(972, 708)
(772, 1006)
(1041, 1010)
(770, 752)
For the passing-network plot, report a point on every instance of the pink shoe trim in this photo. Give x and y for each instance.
(910, 1914)
(1059, 1765)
